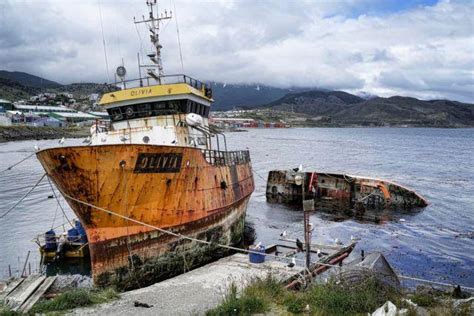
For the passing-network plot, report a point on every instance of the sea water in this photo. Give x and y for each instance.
(435, 243)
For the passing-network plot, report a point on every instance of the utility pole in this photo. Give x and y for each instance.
(308, 207)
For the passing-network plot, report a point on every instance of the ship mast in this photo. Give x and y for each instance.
(153, 25)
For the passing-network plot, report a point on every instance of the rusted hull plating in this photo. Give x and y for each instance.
(174, 188)
(339, 192)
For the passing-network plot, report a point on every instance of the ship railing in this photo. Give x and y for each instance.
(164, 80)
(226, 158)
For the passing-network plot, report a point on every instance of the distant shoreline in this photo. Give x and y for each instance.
(19, 133)
(381, 126)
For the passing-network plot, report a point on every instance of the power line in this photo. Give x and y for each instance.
(103, 43)
(177, 33)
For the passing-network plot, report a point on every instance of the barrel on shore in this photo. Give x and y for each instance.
(257, 257)
(50, 240)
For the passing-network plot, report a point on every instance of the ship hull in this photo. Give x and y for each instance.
(184, 190)
(339, 192)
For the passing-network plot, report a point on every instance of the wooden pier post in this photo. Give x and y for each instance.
(24, 266)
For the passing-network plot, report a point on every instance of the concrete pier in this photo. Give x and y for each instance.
(194, 292)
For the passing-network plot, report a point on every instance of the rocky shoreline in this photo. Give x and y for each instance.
(17, 133)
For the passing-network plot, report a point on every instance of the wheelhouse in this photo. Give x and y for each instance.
(173, 112)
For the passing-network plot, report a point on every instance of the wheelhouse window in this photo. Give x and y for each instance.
(128, 112)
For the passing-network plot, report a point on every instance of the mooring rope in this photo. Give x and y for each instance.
(130, 255)
(17, 163)
(433, 282)
(57, 200)
(23, 197)
(261, 177)
(236, 248)
(170, 232)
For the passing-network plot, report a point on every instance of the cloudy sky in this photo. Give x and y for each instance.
(420, 48)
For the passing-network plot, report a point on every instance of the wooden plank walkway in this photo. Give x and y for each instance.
(21, 294)
(28, 304)
(10, 287)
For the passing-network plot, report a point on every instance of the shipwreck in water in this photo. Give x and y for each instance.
(339, 192)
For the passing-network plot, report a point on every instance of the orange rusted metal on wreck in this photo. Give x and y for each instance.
(340, 192)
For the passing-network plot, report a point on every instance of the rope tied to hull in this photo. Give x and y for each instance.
(181, 236)
(23, 197)
(59, 203)
(17, 163)
(168, 232)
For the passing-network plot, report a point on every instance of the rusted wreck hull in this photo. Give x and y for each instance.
(185, 190)
(339, 192)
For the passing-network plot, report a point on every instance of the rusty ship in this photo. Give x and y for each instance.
(158, 163)
(340, 193)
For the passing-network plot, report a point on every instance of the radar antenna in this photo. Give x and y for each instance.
(153, 25)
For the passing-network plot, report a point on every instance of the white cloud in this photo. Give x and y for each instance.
(425, 51)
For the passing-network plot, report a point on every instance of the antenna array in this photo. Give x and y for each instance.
(153, 25)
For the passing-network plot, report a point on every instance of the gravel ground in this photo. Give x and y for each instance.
(191, 293)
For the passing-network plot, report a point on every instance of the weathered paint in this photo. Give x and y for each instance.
(340, 192)
(191, 197)
(151, 91)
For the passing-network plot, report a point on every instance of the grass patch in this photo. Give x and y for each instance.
(328, 299)
(73, 299)
(334, 299)
(255, 298)
(425, 300)
(6, 311)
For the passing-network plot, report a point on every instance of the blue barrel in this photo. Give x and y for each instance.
(73, 235)
(257, 257)
(50, 240)
(82, 232)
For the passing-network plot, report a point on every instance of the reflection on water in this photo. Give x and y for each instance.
(435, 243)
(70, 266)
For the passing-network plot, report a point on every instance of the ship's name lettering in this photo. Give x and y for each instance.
(139, 92)
(158, 163)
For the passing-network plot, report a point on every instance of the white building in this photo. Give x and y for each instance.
(4, 120)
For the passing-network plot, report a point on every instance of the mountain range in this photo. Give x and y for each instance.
(17, 85)
(319, 107)
(338, 108)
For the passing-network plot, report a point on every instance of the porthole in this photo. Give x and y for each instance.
(129, 111)
(146, 139)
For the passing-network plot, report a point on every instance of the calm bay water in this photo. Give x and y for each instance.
(436, 243)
